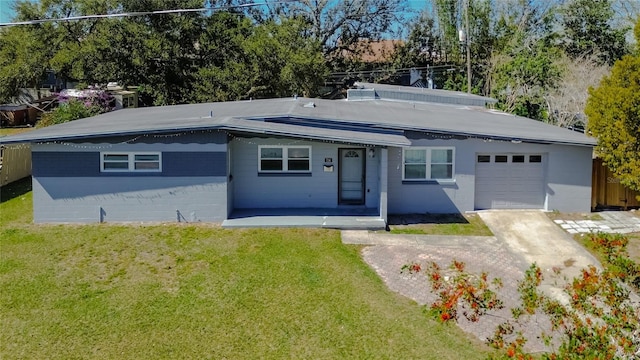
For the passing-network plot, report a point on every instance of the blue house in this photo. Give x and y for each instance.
(383, 150)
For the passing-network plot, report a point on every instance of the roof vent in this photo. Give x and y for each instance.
(361, 94)
(310, 105)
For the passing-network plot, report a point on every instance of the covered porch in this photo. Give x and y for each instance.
(339, 218)
(293, 172)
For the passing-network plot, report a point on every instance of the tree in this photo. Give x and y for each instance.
(522, 77)
(613, 109)
(587, 30)
(267, 60)
(422, 46)
(23, 61)
(172, 58)
(338, 26)
(523, 66)
(90, 102)
(434, 41)
(449, 19)
(566, 101)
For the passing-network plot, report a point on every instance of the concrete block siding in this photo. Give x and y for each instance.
(568, 180)
(191, 187)
(129, 199)
(316, 190)
(206, 176)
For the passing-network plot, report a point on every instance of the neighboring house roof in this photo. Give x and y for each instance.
(376, 122)
(373, 51)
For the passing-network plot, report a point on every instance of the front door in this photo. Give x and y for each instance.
(351, 176)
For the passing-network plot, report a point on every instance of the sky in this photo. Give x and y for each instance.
(7, 13)
(6, 10)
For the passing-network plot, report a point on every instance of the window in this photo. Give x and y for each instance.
(484, 158)
(518, 159)
(428, 164)
(502, 158)
(137, 162)
(284, 158)
(535, 158)
(127, 101)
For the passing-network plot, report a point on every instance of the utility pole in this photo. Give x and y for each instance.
(468, 44)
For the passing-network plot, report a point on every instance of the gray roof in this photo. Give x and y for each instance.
(376, 122)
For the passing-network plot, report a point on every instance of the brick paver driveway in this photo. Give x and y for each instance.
(506, 256)
(388, 253)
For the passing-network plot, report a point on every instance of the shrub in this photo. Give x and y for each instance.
(601, 321)
(457, 290)
(93, 102)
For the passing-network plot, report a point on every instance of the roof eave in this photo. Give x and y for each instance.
(339, 139)
(17, 139)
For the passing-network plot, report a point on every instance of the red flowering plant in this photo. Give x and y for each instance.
(613, 250)
(411, 268)
(601, 320)
(459, 291)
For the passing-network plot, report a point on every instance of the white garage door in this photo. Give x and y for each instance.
(509, 181)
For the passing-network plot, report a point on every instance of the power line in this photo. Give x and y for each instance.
(143, 13)
(435, 68)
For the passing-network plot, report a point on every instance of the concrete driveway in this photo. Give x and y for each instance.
(536, 238)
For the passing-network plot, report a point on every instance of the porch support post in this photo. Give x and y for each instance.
(384, 170)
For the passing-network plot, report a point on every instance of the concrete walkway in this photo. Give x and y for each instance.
(613, 222)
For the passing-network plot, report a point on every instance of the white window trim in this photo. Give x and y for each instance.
(285, 158)
(428, 163)
(131, 161)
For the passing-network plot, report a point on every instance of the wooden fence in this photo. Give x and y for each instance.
(15, 163)
(606, 190)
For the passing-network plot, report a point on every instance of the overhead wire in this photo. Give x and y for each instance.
(143, 13)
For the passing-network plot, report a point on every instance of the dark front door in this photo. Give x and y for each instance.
(351, 176)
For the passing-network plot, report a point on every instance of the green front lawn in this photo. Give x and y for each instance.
(198, 291)
(14, 130)
(439, 224)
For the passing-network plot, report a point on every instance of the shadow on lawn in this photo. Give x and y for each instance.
(15, 189)
(412, 219)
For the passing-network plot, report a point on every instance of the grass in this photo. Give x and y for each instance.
(556, 215)
(633, 248)
(177, 291)
(14, 130)
(439, 224)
